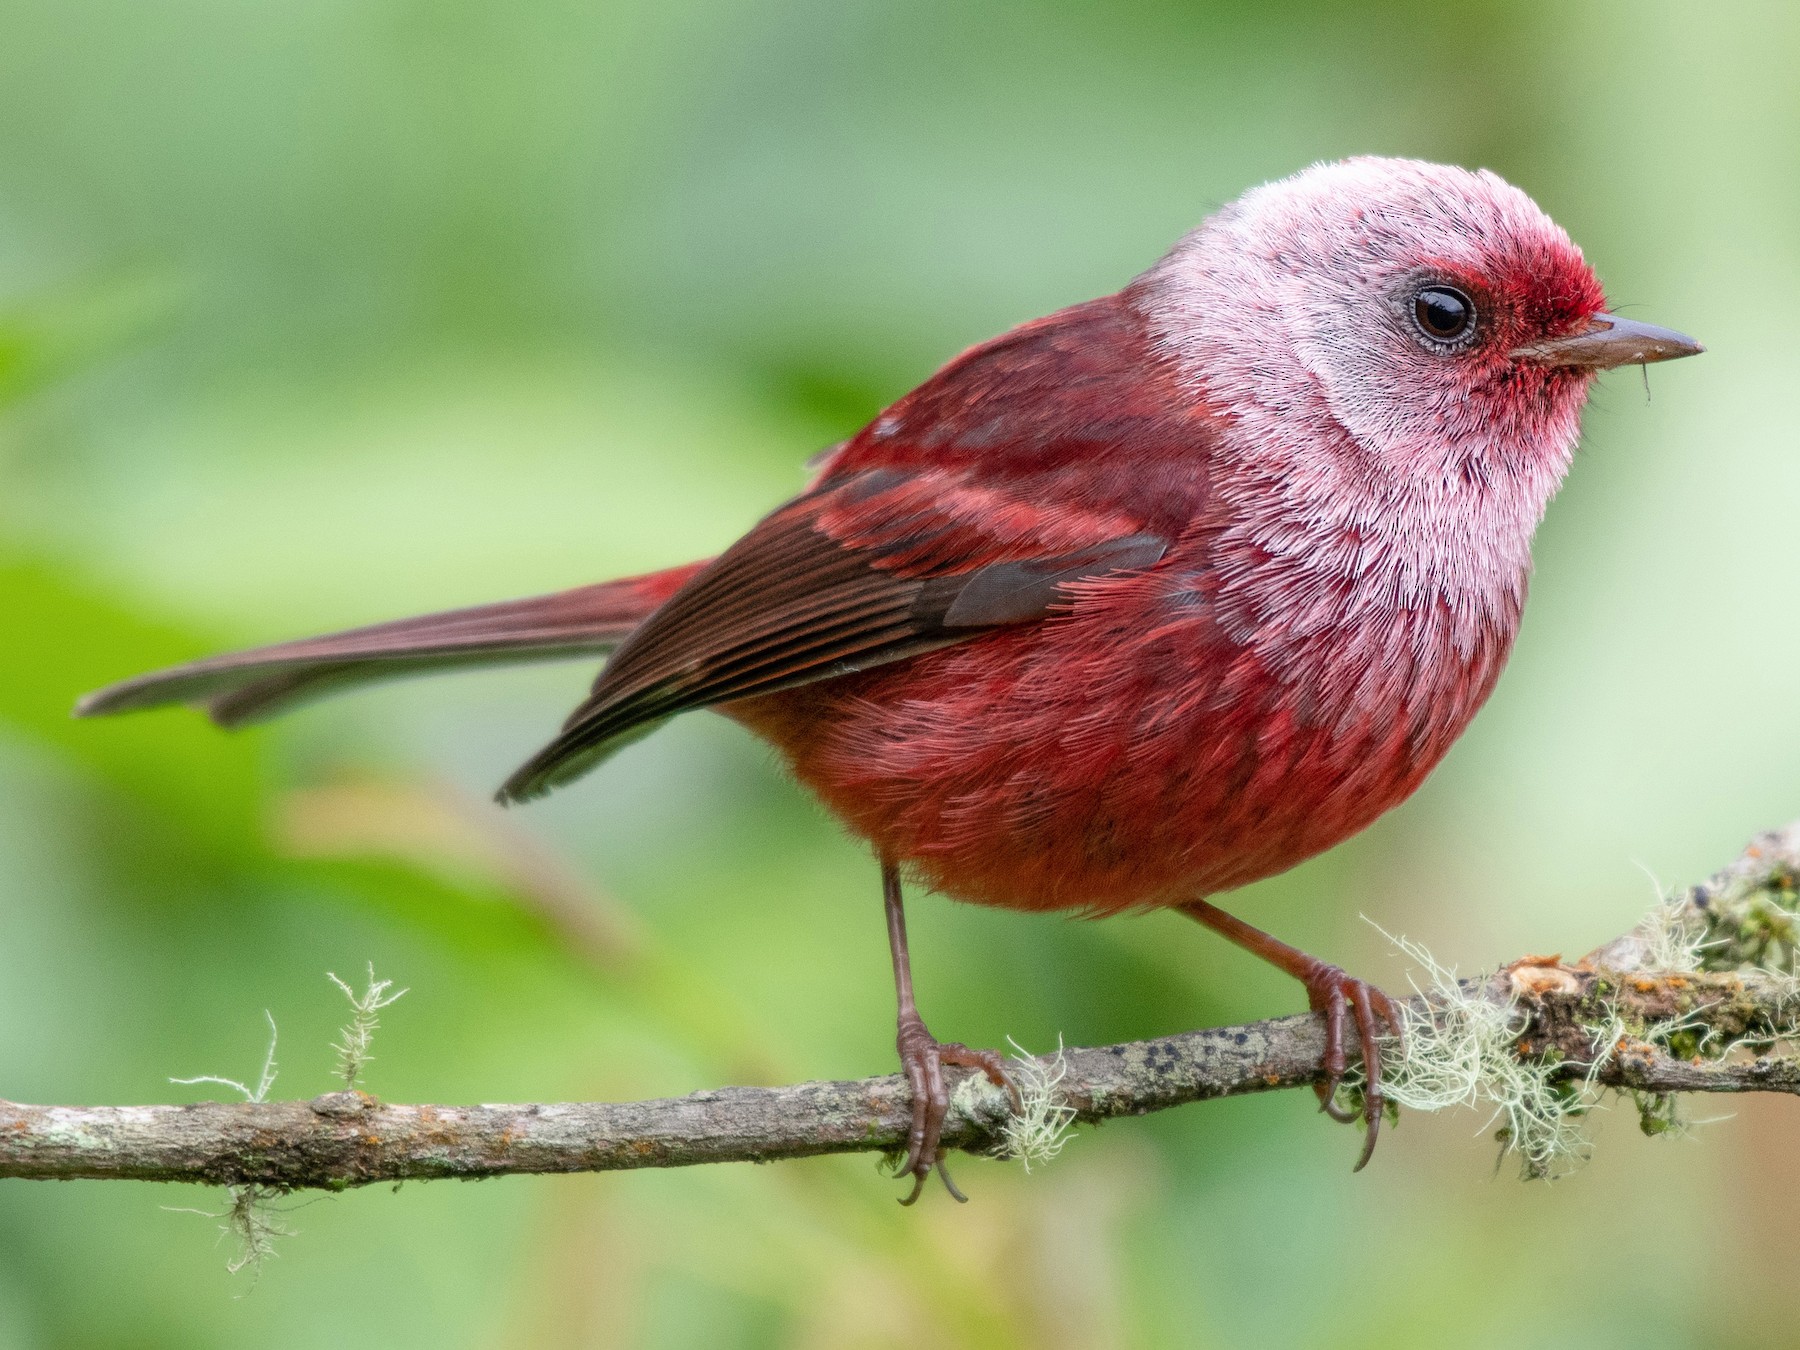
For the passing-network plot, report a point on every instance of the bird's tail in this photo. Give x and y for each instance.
(247, 686)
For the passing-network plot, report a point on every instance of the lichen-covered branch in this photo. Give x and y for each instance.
(1701, 998)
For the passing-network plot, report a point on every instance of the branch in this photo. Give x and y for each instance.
(1689, 1025)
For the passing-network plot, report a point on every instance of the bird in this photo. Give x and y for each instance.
(1131, 605)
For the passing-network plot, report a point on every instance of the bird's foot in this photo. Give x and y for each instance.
(1334, 993)
(922, 1058)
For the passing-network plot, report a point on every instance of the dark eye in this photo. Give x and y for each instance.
(1444, 313)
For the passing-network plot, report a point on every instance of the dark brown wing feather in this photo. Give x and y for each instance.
(1065, 449)
(790, 604)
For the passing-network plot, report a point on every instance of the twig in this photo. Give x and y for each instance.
(346, 1139)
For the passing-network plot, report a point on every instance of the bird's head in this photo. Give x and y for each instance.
(1435, 315)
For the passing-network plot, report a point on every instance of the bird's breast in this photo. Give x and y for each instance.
(1168, 737)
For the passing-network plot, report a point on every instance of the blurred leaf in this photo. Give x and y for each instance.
(202, 795)
(68, 640)
(54, 334)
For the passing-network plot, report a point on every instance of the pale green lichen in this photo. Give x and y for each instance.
(1037, 1133)
(1462, 1043)
(1659, 1113)
(251, 1220)
(1749, 914)
(1675, 939)
(264, 1081)
(250, 1217)
(1461, 1051)
(356, 1039)
(1744, 919)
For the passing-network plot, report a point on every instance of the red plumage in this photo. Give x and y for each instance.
(1133, 604)
(242, 687)
(1129, 750)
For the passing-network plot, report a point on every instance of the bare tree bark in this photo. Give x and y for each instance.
(1735, 1008)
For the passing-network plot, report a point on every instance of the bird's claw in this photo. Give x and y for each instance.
(922, 1058)
(1335, 994)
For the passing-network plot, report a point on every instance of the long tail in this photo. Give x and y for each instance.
(242, 687)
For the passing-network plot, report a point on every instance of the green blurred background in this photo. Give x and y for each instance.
(318, 313)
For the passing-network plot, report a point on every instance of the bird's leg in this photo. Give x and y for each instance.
(922, 1056)
(1332, 992)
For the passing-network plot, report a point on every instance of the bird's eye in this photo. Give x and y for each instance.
(1443, 313)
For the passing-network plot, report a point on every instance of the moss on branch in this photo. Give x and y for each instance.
(1701, 997)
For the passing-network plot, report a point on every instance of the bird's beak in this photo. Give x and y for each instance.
(1610, 341)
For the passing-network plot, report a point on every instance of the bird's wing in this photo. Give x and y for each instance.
(970, 505)
(836, 582)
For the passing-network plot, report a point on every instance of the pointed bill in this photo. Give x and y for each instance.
(1610, 341)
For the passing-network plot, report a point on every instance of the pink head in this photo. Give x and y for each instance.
(1402, 350)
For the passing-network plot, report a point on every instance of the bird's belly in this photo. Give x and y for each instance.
(1050, 768)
